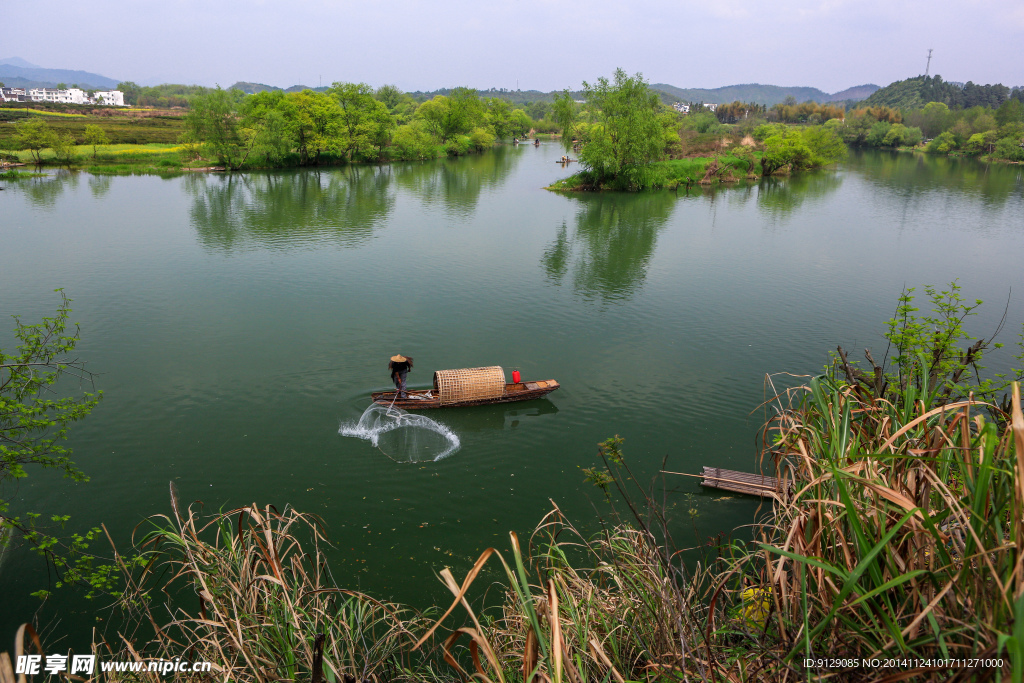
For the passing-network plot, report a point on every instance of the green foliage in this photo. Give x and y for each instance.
(566, 112)
(213, 123)
(456, 114)
(34, 135)
(801, 149)
(902, 136)
(945, 142)
(265, 128)
(481, 139)
(766, 130)
(63, 146)
(315, 122)
(364, 120)
(413, 143)
(705, 122)
(935, 118)
(95, 136)
(163, 96)
(1010, 148)
(626, 136)
(934, 355)
(914, 93)
(876, 136)
(34, 422)
(389, 95)
(1011, 111)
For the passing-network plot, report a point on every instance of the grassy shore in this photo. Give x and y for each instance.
(675, 173)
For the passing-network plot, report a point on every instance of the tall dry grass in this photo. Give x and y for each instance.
(249, 591)
(902, 536)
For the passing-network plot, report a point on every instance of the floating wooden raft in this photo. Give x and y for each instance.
(742, 482)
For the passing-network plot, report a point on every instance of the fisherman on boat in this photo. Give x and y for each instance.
(400, 366)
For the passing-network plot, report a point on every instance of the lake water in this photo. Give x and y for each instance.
(235, 322)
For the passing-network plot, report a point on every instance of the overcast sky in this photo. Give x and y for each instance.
(539, 44)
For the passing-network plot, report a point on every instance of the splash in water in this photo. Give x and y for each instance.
(401, 436)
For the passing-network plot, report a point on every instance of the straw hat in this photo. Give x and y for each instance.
(399, 358)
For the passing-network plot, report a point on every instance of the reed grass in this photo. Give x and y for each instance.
(902, 536)
(268, 608)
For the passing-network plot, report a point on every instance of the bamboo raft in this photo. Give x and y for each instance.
(740, 482)
(467, 387)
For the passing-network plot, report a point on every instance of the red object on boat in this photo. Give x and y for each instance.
(515, 377)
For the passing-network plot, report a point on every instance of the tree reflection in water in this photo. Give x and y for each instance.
(456, 184)
(905, 175)
(43, 192)
(610, 247)
(289, 209)
(780, 197)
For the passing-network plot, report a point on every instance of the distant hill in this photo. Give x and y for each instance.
(33, 77)
(761, 94)
(857, 92)
(914, 93)
(18, 61)
(252, 88)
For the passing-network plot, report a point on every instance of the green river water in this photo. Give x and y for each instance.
(236, 322)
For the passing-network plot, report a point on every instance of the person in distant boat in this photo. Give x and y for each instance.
(400, 366)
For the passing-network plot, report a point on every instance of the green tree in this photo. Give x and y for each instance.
(786, 148)
(95, 136)
(380, 126)
(456, 114)
(566, 112)
(315, 122)
(390, 95)
(363, 118)
(626, 136)
(213, 122)
(34, 422)
(265, 129)
(935, 118)
(878, 133)
(63, 145)
(499, 116)
(945, 142)
(33, 135)
(1011, 111)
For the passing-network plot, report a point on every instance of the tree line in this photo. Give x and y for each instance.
(998, 132)
(346, 122)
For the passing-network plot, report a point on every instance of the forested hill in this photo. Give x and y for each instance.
(914, 93)
(762, 94)
(253, 88)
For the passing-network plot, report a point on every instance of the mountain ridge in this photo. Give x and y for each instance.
(48, 78)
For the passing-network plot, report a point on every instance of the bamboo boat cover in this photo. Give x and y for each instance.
(469, 384)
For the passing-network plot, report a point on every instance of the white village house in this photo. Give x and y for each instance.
(113, 98)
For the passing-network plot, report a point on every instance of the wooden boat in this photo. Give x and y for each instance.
(466, 387)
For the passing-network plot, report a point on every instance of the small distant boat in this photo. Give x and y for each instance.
(467, 387)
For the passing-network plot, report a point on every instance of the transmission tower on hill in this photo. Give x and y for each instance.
(929, 64)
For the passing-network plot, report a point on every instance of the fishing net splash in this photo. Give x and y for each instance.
(402, 436)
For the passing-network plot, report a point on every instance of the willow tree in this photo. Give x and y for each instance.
(626, 136)
(566, 112)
